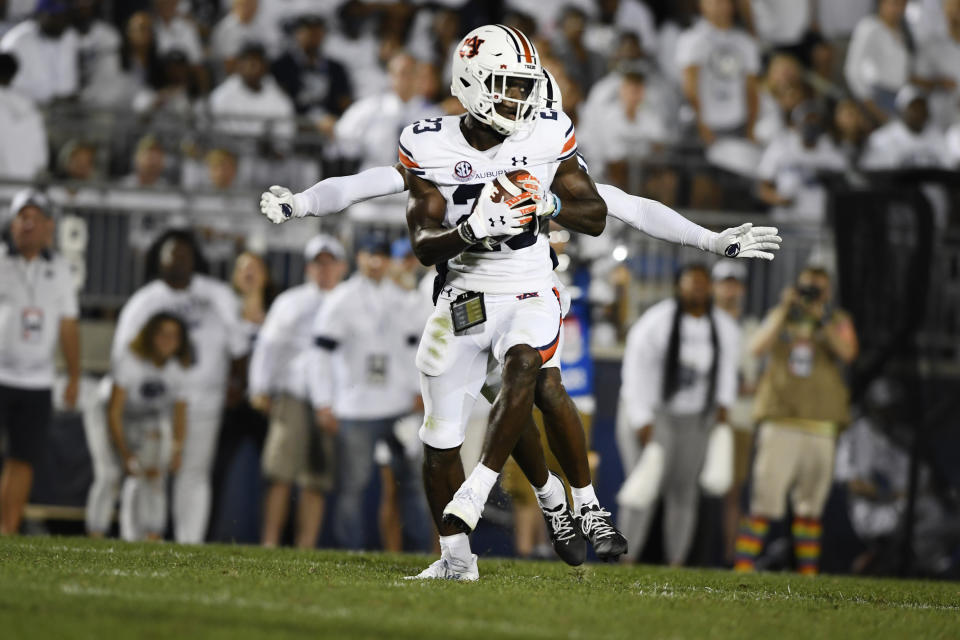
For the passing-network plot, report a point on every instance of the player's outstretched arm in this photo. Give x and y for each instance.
(331, 195)
(662, 222)
(579, 207)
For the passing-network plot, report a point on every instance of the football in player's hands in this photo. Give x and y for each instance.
(505, 207)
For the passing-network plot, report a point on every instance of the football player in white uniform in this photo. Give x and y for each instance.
(334, 194)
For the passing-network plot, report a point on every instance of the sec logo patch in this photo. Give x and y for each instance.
(463, 170)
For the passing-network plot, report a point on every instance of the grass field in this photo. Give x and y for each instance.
(75, 588)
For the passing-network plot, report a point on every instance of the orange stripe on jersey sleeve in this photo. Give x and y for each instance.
(569, 144)
(407, 162)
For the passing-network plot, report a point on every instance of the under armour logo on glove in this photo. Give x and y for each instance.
(732, 250)
(493, 222)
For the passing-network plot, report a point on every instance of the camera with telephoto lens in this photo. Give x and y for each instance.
(809, 293)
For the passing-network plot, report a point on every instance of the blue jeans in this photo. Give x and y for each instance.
(355, 444)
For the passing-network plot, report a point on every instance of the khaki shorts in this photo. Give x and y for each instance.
(296, 451)
(791, 462)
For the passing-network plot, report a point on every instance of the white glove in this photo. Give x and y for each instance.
(502, 210)
(279, 205)
(746, 241)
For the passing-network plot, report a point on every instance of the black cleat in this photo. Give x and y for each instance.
(595, 523)
(565, 535)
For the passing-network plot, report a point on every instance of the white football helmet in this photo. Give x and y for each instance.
(486, 57)
(551, 98)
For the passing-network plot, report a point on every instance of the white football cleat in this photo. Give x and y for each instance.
(450, 569)
(464, 510)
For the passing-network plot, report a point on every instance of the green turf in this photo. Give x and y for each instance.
(75, 588)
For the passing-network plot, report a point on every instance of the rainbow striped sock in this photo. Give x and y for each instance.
(753, 530)
(806, 545)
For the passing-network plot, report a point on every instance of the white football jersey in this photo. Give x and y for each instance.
(436, 150)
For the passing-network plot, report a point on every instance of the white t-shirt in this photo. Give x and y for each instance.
(726, 58)
(894, 146)
(937, 59)
(239, 110)
(99, 53)
(48, 67)
(368, 373)
(230, 35)
(953, 145)
(212, 314)
(614, 135)
(632, 16)
(35, 296)
(837, 19)
(179, 34)
(792, 168)
(151, 391)
(24, 150)
(641, 390)
(436, 150)
(368, 128)
(279, 361)
(877, 59)
(781, 22)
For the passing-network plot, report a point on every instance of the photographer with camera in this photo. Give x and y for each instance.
(802, 401)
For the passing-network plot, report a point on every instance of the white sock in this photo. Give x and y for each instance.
(456, 547)
(583, 497)
(551, 495)
(481, 480)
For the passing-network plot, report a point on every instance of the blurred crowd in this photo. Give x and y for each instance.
(734, 104)
(684, 100)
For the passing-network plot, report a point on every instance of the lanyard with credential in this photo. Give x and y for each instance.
(31, 315)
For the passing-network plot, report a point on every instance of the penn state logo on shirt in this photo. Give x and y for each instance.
(726, 62)
(463, 170)
(152, 389)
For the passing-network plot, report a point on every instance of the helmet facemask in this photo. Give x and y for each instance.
(520, 111)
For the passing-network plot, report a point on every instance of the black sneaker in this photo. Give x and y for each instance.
(565, 535)
(596, 525)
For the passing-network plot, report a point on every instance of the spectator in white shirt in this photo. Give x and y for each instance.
(243, 24)
(176, 33)
(249, 102)
(910, 142)
(129, 431)
(878, 61)
(938, 68)
(614, 18)
(679, 380)
(296, 450)
(38, 310)
(626, 129)
(720, 65)
(99, 46)
(790, 168)
(23, 153)
(837, 20)
(364, 367)
(47, 52)
(211, 311)
(367, 127)
(778, 24)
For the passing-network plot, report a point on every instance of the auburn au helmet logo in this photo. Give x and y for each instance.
(471, 47)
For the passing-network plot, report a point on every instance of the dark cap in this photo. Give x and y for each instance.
(51, 6)
(374, 243)
(252, 48)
